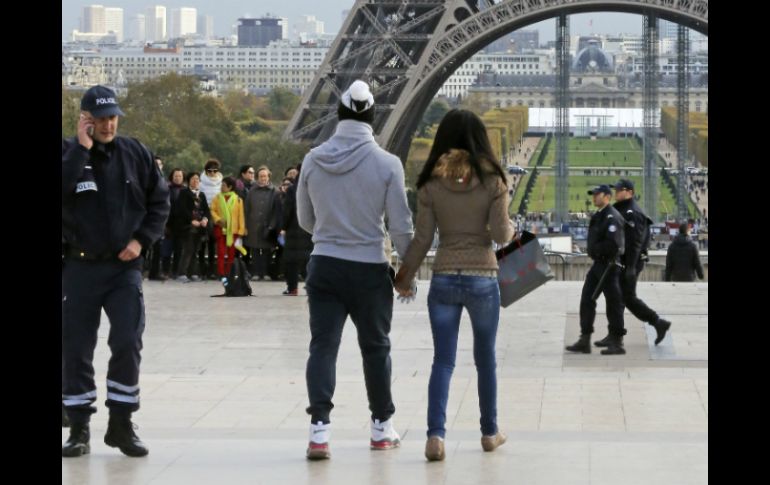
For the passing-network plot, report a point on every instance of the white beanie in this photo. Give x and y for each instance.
(358, 91)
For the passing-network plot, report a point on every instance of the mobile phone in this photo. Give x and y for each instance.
(90, 131)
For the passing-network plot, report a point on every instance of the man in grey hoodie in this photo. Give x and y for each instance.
(346, 188)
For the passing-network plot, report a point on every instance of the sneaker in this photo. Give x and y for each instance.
(195, 278)
(318, 446)
(293, 292)
(384, 436)
(182, 279)
(434, 449)
(489, 443)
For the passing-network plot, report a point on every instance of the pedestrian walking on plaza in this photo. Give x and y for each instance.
(114, 203)
(606, 246)
(637, 240)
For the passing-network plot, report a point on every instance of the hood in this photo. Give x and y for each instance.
(351, 144)
(454, 171)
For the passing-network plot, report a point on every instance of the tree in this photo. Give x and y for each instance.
(282, 103)
(190, 159)
(479, 103)
(270, 150)
(70, 111)
(170, 112)
(433, 115)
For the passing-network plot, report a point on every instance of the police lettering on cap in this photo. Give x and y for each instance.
(601, 189)
(624, 184)
(101, 101)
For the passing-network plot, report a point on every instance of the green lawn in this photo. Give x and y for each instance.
(514, 208)
(543, 196)
(604, 152)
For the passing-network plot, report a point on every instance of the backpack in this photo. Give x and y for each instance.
(237, 283)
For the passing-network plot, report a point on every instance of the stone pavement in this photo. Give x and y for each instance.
(223, 396)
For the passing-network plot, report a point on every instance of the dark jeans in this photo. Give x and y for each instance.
(337, 288)
(447, 297)
(612, 295)
(87, 288)
(636, 306)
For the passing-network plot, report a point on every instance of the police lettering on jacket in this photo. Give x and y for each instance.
(606, 241)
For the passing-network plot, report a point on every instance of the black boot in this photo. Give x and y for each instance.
(582, 345)
(65, 421)
(77, 444)
(615, 346)
(120, 434)
(605, 342)
(661, 326)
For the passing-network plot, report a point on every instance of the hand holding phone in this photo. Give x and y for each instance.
(88, 123)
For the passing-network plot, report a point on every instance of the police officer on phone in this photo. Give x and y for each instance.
(606, 246)
(114, 203)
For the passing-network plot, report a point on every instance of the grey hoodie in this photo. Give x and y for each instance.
(345, 187)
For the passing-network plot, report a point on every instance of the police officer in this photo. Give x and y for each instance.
(605, 247)
(114, 203)
(637, 235)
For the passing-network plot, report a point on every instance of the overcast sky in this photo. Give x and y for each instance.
(226, 13)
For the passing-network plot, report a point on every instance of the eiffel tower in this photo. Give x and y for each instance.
(407, 49)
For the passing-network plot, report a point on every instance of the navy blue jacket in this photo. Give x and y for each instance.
(131, 200)
(606, 241)
(637, 231)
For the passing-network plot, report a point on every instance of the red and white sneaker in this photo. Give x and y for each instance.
(318, 447)
(384, 436)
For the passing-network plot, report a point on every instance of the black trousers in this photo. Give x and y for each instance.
(635, 305)
(612, 295)
(260, 261)
(337, 288)
(87, 288)
(292, 268)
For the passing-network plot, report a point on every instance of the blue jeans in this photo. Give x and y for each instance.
(446, 299)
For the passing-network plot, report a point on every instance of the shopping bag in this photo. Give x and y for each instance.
(522, 268)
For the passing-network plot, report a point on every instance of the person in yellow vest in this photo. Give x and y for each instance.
(229, 224)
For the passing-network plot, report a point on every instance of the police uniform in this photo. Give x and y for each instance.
(111, 194)
(637, 238)
(605, 247)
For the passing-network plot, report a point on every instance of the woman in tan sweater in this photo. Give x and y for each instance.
(463, 193)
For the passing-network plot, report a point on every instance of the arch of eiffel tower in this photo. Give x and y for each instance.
(407, 49)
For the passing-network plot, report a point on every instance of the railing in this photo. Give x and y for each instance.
(573, 266)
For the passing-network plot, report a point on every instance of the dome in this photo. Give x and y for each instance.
(592, 59)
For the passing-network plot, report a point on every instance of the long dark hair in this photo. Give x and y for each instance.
(464, 130)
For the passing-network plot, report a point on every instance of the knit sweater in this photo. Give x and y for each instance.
(468, 213)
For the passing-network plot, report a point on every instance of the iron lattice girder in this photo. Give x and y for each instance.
(562, 116)
(429, 35)
(333, 108)
(650, 113)
(683, 108)
(380, 39)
